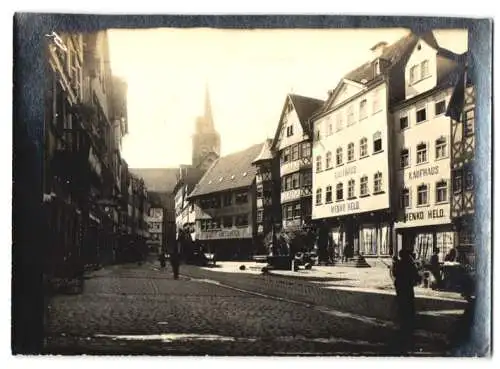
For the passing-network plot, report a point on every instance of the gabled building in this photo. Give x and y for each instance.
(461, 110)
(267, 196)
(422, 144)
(184, 210)
(224, 204)
(352, 166)
(292, 144)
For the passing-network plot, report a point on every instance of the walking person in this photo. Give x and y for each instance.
(406, 277)
(435, 268)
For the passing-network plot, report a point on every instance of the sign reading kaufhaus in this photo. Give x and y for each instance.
(224, 234)
(359, 204)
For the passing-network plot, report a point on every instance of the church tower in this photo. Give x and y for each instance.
(206, 140)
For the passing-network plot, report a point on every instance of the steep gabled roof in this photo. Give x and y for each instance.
(190, 177)
(304, 106)
(265, 153)
(157, 179)
(229, 172)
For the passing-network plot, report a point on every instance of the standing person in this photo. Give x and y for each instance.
(406, 276)
(435, 267)
(174, 254)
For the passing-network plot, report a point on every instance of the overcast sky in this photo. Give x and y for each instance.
(249, 73)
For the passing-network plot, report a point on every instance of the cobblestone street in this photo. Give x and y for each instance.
(139, 309)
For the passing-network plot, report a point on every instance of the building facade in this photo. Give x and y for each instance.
(224, 204)
(422, 152)
(292, 144)
(82, 159)
(352, 172)
(154, 222)
(267, 197)
(461, 111)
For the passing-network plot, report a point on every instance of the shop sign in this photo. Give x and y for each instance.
(226, 234)
(421, 215)
(290, 195)
(424, 172)
(346, 171)
(346, 206)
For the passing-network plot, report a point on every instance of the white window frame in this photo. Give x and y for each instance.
(441, 146)
(328, 160)
(339, 154)
(339, 187)
(419, 108)
(351, 189)
(319, 194)
(363, 109)
(319, 166)
(363, 143)
(377, 182)
(328, 191)
(350, 115)
(419, 191)
(350, 152)
(420, 151)
(363, 183)
(440, 187)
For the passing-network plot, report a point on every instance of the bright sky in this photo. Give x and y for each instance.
(249, 73)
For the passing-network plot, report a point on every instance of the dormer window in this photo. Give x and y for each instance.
(424, 69)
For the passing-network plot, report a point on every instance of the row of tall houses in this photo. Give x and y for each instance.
(94, 206)
(382, 153)
(384, 163)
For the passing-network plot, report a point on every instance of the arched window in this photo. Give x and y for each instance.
(318, 164)
(377, 182)
(351, 189)
(363, 147)
(318, 196)
(328, 160)
(340, 191)
(363, 186)
(328, 195)
(340, 155)
(350, 152)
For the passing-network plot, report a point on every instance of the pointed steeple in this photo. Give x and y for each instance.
(207, 115)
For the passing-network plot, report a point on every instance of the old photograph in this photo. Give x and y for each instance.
(260, 191)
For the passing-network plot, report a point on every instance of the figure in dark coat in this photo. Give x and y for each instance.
(174, 253)
(406, 277)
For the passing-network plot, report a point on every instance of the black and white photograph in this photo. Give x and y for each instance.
(287, 187)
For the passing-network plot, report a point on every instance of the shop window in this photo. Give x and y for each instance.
(350, 152)
(328, 195)
(422, 195)
(340, 192)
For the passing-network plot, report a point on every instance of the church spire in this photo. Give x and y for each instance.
(208, 109)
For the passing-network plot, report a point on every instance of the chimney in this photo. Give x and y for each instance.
(378, 49)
